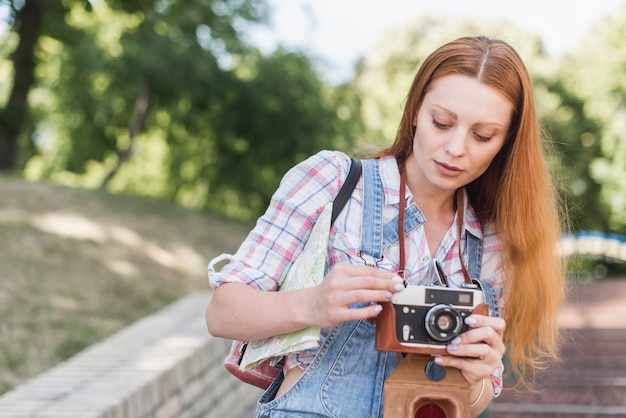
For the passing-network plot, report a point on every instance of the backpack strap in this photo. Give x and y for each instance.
(346, 189)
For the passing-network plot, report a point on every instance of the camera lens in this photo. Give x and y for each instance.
(443, 322)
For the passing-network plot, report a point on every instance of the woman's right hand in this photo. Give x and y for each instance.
(241, 312)
(347, 284)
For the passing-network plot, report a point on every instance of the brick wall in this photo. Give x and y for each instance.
(165, 365)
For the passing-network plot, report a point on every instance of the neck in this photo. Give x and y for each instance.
(430, 199)
(437, 203)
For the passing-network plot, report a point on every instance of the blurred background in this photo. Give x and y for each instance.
(140, 138)
(207, 103)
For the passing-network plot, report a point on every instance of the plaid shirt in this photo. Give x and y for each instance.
(281, 232)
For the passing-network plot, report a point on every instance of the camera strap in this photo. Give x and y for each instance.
(459, 221)
(401, 222)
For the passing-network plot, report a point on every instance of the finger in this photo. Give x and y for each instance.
(390, 282)
(347, 298)
(393, 284)
(472, 369)
(482, 352)
(352, 273)
(355, 314)
(486, 335)
(353, 270)
(477, 321)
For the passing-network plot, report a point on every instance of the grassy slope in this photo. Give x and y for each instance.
(78, 265)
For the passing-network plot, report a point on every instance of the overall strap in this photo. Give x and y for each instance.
(376, 236)
(460, 215)
(474, 251)
(373, 198)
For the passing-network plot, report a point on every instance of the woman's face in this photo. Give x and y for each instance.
(460, 127)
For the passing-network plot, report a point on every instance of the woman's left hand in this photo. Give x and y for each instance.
(478, 351)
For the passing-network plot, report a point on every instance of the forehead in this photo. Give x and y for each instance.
(467, 97)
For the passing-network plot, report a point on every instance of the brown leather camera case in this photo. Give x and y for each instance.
(386, 339)
(407, 389)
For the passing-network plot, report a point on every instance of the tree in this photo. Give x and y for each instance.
(573, 148)
(166, 99)
(595, 72)
(283, 114)
(34, 20)
(28, 22)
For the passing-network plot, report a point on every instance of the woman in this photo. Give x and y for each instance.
(469, 126)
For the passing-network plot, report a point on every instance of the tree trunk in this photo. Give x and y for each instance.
(28, 23)
(135, 126)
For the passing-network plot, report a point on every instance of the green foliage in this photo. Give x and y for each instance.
(573, 149)
(280, 115)
(595, 73)
(74, 342)
(222, 123)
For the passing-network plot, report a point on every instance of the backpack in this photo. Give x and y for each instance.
(264, 374)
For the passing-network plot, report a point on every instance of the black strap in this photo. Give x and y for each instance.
(346, 189)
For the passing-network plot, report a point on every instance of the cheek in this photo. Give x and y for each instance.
(426, 138)
(483, 160)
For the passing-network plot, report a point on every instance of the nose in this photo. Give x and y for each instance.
(455, 144)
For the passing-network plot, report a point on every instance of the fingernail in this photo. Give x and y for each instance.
(397, 279)
(438, 360)
(456, 341)
(378, 308)
(470, 321)
(398, 286)
(389, 295)
(452, 347)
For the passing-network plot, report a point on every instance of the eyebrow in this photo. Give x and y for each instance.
(454, 115)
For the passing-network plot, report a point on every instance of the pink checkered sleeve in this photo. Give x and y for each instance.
(497, 380)
(280, 234)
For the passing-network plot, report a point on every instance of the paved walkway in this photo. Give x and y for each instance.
(590, 381)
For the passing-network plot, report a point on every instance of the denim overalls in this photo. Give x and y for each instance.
(346, 377)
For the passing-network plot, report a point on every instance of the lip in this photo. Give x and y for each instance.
(448, 170)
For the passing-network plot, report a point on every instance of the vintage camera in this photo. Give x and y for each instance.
(424, 319)
(420, 321)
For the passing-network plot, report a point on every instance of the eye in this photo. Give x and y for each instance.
(482, 138)
(440, 125)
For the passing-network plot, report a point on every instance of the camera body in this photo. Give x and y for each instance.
(424, 319)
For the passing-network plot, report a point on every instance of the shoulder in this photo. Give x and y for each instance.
(324, 161)
(312, 183)
(325, 169)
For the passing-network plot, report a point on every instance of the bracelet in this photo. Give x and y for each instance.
(480, 394)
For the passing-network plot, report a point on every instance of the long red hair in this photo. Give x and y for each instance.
(516, 194)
